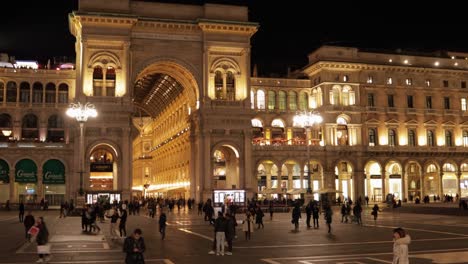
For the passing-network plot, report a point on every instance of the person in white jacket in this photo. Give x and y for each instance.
(401, 240)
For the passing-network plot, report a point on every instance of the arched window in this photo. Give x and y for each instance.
(447, 167)
(430, 138)
(465, 138)
(392, 137)
(292, 100)
(372, 138)
(411, 138)
(448, 138)
(11, 92)
(24, 92)
(50, 93)
(30, 127)
(230, 86)
(303, 101)
(219, 86)
(282, 100)
(63, 93)
(431, 168)
(2, 90)
(335, 95)
(55, 129)
(5, 125)
(345, 96)
(277, 123)
(98, 81)
(257, 123)
(110, 81)
(260, 99)
(38, 91)
(271, 100)
(316, 100)
(464, 167)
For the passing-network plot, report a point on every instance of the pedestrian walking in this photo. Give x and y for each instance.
(113, 224)
(308, 210)
(296, 214)
(315, 215)
(375, 212)
(21, 212)
(357, 211)
(247, 225)
(270, 210)
(162, 225)
(134, 247)
(259, 218)
(123, 223)
(401, 240)
(42, 239)
(28, 222)
(328, 217)
(230, 231)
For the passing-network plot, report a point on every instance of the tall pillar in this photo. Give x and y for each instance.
(384, 187)
(13, 194)
(404, 185)
(458, 183)
(359, 190)
(40, 186)
(301, 177)
(421, 177)
(441, 187)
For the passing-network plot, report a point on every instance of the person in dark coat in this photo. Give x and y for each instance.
(296, 214)
(259, 218)
(42, 238)
(162, 225)
(21, 212)
(134, 247)
(123, 223)
(230, 231)
(375, 212)
(328, 217)
(315, 215)
(28, 223)
(308, 210)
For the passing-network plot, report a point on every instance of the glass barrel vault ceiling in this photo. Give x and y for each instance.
(154, 92)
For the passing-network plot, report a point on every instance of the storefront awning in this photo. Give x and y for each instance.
(53, 172)
(26, 171)
(4, 172)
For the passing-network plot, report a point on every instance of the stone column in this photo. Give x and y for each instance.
(404, 184)
(384, 184)
(40, 186)
(458, 183)
(441, 186)
(13, 194)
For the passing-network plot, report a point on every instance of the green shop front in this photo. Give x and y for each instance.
(52, 186)
(4, 181)
(26, 181)
(53, 182)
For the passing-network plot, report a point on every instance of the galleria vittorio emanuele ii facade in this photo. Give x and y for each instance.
(180, 115)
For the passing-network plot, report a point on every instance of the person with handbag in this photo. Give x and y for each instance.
(134, 246)
(28, 223)
(42, 238)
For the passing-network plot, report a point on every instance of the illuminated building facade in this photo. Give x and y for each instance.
(180, 116)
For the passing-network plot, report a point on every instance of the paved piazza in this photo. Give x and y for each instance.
(435, 239)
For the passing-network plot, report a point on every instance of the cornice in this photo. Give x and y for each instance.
(226, 28)
(353, 66)
(167, 26)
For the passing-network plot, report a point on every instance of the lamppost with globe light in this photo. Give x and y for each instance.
(81, 113)
(307, 119)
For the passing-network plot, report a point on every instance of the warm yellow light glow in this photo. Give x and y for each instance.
(383, 140)
(88, 86)
(119, 87)
(436, 63)
(390, 60)
(455, 64)
(458, 141)
(440, 141)
(422, 141)
(403, 140)
(7, 132)
(405, 61)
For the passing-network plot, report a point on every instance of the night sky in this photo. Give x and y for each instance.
(289, 30)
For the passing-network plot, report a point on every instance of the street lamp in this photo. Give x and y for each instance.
(81, 113)
(307, 119)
